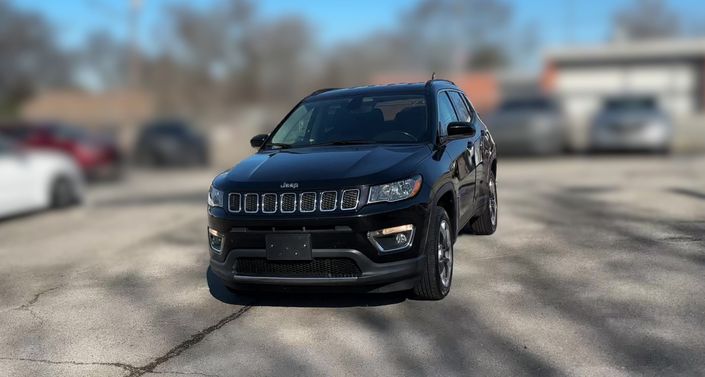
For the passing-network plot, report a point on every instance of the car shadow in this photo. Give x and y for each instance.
(300, 299)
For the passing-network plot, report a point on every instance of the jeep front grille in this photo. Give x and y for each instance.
(350, 199)
(290, 202)
(269, 203)
(234, 202)
(329, 199)
(308, 202)
(251, 203)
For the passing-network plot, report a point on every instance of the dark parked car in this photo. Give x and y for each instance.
(364, 188)
(98, 156)
(174, 143)
(529, 126)
(631, 124)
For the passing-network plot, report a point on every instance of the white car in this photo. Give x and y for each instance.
(34, 180)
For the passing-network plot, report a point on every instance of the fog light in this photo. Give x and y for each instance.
(392, 239)
(215, 241)
(400, 238)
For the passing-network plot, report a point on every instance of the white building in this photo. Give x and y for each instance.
(671, 71)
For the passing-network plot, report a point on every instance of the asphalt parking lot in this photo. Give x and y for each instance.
(597, 269)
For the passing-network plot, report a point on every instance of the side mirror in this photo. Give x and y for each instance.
(258, 140)
(461, 129)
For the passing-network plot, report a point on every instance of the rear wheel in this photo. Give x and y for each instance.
(437, 275)
(486, 223)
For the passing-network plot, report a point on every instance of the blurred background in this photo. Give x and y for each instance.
(118, 85)
(121, 112)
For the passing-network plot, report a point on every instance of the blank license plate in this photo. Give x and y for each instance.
(288, 246)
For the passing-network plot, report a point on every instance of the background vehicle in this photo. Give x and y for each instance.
(171, 143)
(631, 124)
(98, 157)
(362, 187)
(529, 125)
(32, 180)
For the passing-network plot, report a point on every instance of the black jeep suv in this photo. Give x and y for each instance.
(362, 187)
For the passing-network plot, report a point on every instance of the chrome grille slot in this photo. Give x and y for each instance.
(328, 201)
(269, 203)
(294, 202)
(307, 202)
(234, 202)
(288, 202)
(349, 199)
(251, 203)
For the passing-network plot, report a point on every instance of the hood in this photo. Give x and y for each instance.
(324, 167)
(50, 160)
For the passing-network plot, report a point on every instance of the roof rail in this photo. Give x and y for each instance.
(319, 91)
(434, 79)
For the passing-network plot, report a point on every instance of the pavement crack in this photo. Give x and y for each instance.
(188, 343)
(36, 298)
(27, 307)
(126, 367)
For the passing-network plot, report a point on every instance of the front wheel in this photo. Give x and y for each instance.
(63, 193)
(438, 267)
(486, 223)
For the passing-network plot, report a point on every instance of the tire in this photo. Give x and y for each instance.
(63, 193)
(486, 223)
(437, 274)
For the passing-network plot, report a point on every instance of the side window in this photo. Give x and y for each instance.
(460, 107)
(446, 114)
(473, 113)
(5, 146)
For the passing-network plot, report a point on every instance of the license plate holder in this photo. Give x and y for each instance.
(288, 246)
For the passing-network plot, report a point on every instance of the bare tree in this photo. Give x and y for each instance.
(105, 59)
(29, 58)
(646, 19)
(449, 33)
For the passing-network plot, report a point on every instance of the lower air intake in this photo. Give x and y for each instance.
(316, 268)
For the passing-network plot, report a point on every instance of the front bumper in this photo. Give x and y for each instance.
(332, 238)
(653, 138)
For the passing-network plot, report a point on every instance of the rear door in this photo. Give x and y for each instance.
(484, 148)
(472, 155)
(457, 149)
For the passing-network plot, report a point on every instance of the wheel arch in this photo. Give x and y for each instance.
(445, 198)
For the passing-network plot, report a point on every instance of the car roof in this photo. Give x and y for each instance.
(372, 90)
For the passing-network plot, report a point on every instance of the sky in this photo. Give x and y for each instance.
(557, 21)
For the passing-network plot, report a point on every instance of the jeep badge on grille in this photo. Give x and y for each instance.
(293, 185)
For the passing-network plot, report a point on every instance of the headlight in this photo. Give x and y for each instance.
(215, 198)
(395, 191)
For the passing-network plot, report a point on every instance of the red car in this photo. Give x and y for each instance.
(98, 158)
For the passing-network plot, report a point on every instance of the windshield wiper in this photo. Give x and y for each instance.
(349, 142)
(280, 145)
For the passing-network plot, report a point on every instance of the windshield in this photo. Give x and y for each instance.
(355, 120)
(630, 104)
